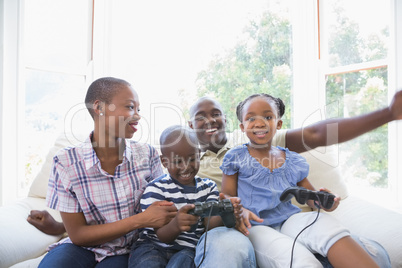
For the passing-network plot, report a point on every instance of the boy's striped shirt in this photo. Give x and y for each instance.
(167, 188)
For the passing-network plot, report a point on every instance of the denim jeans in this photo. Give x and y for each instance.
(147, 254)
(69, 255)
(224, 248)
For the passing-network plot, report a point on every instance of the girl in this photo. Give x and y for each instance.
(258, 173)
(97, 186)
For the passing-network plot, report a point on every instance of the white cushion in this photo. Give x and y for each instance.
(19, 240)
(32, 263)
(39, 185)
(325, 170)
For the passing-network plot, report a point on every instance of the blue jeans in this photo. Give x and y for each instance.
(374, 249)
(229, 248)
(224, 248)
(69, 255)
(147, 254)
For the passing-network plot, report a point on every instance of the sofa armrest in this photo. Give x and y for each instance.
(19, 240)
(371, 221)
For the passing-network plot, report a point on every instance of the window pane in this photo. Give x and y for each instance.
(355, 35)
(186, 49)
(51, 99)
(56, 42)
(57, 35)
(364, 160)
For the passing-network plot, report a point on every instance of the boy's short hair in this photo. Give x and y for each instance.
(176, 133)
(103, 89)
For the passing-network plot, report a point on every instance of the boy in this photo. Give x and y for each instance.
(173, 245)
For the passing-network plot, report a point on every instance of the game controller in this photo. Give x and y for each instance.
(325, 199)
(223, 208)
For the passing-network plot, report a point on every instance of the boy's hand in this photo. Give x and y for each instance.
(183, 220)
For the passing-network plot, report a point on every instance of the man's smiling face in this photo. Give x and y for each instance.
(208, 121)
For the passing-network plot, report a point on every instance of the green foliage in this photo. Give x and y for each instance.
(358, 93)
(259, 63)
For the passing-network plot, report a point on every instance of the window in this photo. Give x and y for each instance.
(57, 52)
(175, 51)
(354, 61)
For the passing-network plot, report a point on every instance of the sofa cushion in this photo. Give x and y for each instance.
(19, 240)
(325, 170)
(39, 184)
(31, 263)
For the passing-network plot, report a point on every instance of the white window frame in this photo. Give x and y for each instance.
(310, 71)
(12, 96)
(395, 83)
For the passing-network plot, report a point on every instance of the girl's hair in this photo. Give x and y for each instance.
(103, 89)
(278, 102)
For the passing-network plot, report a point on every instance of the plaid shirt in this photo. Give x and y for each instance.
(78, 184)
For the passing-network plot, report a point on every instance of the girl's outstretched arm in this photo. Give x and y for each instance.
(320, 134)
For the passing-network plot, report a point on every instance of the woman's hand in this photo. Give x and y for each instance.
(42, 220)
(159, 214)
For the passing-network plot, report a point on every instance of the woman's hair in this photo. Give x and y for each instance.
(280, 106)
(103, 89)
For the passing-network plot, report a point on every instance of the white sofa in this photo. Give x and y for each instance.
(22, 245)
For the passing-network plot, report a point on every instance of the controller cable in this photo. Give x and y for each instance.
(205, 238)
(294, 242)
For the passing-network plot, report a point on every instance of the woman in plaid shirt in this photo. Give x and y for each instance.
(97, 185)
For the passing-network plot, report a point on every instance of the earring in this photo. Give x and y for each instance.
(101, 114)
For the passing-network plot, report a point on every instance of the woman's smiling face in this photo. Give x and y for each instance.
(121, 115)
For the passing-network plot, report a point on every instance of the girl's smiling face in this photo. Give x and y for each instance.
(260, 120)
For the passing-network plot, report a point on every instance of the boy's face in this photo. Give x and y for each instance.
(182, 160)
(209, 123)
